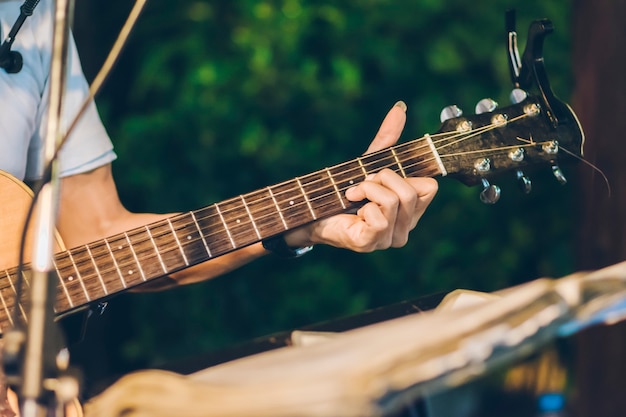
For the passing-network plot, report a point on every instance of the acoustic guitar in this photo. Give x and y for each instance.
(472, 149)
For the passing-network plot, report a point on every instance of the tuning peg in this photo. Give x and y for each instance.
(490, 193)
(518, 95)
(450, 112)
(486, 105)
(558, 174)
(524, 182)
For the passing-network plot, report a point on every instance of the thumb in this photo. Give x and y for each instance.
(390, 129)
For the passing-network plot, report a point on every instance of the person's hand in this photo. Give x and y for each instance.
(394, 204)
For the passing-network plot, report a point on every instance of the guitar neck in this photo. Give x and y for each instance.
(100, 269)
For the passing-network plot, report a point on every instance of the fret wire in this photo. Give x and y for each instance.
(362, 167)
(332, 180)
(80, 278)
(6, 308)
(132, 250)
(119, 271)
(306, 198)
(156, 249)
(93, 261)
(19, 303)
(25, 278)
(206, 247)
(62, 281)
(280, 213)
(178, 242)
(243, 200)
(395, 156)
(230, 236)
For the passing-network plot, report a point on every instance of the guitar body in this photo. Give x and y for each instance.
(16, 199)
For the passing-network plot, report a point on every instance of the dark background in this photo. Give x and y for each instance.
(211, 99)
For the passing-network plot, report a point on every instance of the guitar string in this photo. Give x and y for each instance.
(178, 247)
(226, 212)
(256, 218)
(407, 146)
(237, 200)
(60, 267)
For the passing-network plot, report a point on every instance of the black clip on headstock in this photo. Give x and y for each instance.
(530, 70)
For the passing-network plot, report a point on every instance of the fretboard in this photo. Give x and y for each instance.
(100, 269)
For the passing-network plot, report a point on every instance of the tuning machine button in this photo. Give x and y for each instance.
(450, 112)
(486, 105)
(490, 193)
(558, 174)
(551, 147)
(482, 165)
(524, 182)
(518, 95)
(517, 155)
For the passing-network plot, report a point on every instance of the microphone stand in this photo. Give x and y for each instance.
(40, 356)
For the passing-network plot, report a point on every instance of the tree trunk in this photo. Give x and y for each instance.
(599, 38)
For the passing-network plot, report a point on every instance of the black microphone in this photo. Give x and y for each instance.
(12, 61)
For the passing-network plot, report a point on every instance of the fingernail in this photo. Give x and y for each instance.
(401, 104)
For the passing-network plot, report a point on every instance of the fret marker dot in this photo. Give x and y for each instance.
(70, 278)
(130, 272)
(188, 237)
(120, 247)
(291, 203)
(238, 221)
(351, 182)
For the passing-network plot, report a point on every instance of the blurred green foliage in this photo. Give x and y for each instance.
(216, 98)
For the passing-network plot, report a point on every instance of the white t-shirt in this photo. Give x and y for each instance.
(24, 102)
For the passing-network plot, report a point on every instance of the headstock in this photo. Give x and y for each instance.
(477, 148)
(537, 128)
